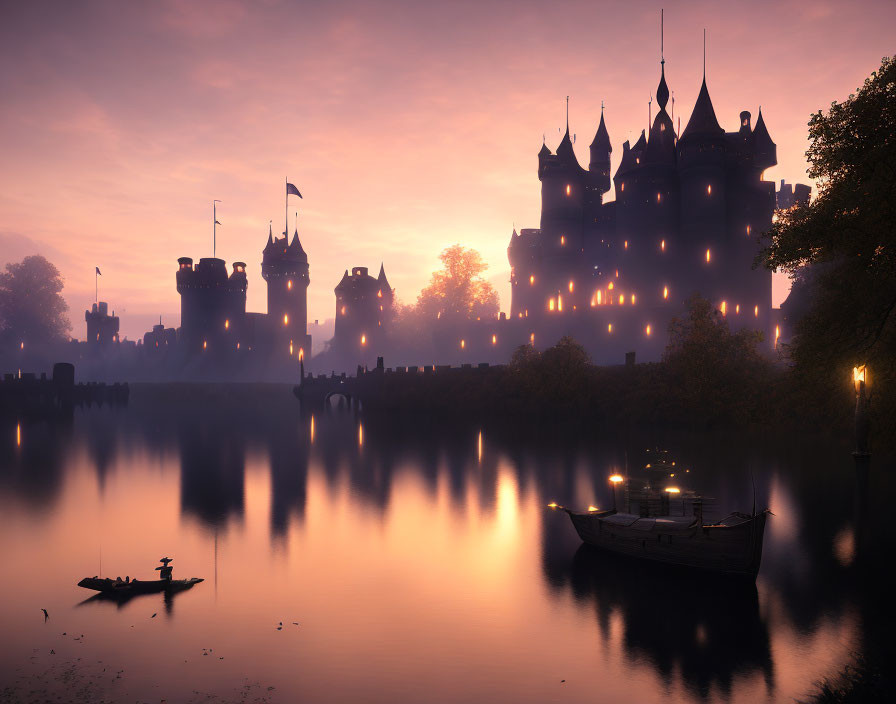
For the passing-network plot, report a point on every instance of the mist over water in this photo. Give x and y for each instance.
(418, 560)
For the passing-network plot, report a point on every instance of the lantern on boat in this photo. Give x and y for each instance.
(861, 379)
(615, 478)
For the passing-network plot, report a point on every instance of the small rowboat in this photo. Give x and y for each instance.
(137, 586)
(732, 545)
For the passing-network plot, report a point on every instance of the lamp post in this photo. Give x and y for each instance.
(615, 478)
(862, 454)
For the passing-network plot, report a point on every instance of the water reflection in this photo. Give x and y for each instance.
(423, 543)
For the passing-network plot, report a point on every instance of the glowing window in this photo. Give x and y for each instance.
(379, 294)
(665, 292)
(494, 339)
(570, 286)
(532, 338)
(342, 310)
(609, 327)
(205, 344)
(568, 189)
(289, 285)
(625, 245)
(737, 309)
(227, 325)
(551, 304)
(562, 239)
(662, 245)
(647, 330)
(599, 297)
(709, 189)
(622, 186)
(621, 299)
(708, 255)
(748, 230)
(756, 311)
(724, 308)
(363, 339)
(285, 319)
(777, 335)
(532, 280)
(560, 303)
(658, 198)
(463, 343)
(610, 286)
(633, 299)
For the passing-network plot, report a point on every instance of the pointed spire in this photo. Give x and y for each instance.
(662, 91)
(382, 280)
(641, 144)
(703, 118)
(602, 136)
(765, 151)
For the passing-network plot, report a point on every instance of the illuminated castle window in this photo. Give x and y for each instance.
(662, 245)
(568, 189)
(289, 285)
(532, 280)
(562, 240)
(708, 255)
(665, 292)
(724, 308)
(363, 339)
(647, 330)
(709, 190)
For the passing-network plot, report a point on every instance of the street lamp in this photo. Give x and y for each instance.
(615, 478)
(861, 380)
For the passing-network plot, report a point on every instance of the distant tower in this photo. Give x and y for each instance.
(284, 267)
(102, 328)
(600, 156)
(212, 304)
(363, 309)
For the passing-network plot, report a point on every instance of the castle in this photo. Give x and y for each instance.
(687, 215)
(363, 310)
(213, 304)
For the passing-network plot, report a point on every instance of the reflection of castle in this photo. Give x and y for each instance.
(687, 215)
(213, 304)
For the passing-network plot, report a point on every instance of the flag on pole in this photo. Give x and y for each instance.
(292, 190)
(217, 223)
(98, 271)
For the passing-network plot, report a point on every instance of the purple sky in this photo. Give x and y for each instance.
(407, 126)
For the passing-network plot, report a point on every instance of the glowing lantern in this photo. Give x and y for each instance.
(290, 348)
(342, 310)
(237, 345)
(289, 285)
(625, 245)
(599, 297)
(463, 343)
(593, 508)
(673, 490)
(708, 255)
(724, 308)
(860, 376)
(553, 504)
(621, 298)
(205, 344)
(285, 319)
(709, 190)
(568, 189)
(633, 299)
(562, 240)
(662, 245)
(560, 303)
(609, 327)
(494, 339)
(737, 309)
(532, 339)
(615, 478)
(363, 339)
(777, 335)
(551, 304)
(21, 345)
(610, 286)
(755, 311)
(647, 330)
(570, 286)
(748, 230)
(657, 197)
(532, 280)
(227, 325)
(665, 292)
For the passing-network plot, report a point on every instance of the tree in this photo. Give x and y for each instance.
(846, 236)
(458, 289)
(714, 373)
(32, 309)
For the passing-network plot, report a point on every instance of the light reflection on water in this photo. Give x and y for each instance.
(420, 564)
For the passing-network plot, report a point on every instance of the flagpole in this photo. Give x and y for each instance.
(214, 228)
(286, 210)
(96, 286)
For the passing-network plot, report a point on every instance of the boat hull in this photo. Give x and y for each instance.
(731, 549)
(150, 586)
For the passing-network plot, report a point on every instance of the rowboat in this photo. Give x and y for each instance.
(136, 586)
(731, 546)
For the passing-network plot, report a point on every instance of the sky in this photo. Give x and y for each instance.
(407, 126)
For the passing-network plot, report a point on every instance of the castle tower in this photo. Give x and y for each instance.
(212, 304)
(363, 310)
(600, 149)
(284, 267)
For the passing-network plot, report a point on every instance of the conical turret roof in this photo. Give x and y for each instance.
(703, 118)
(761, 138)
(641, 144)
(662, 91)
(565, 152)
(295, 247)
(382, 280)
(342, 283)
(602, 136)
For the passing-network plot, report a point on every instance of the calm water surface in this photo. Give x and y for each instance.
(420, 562)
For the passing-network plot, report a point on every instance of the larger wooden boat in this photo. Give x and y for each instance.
(732, 545)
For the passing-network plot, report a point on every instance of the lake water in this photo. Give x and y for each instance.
(419, 561)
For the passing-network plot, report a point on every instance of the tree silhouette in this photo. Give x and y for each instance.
(846, 304)
(32, 309)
